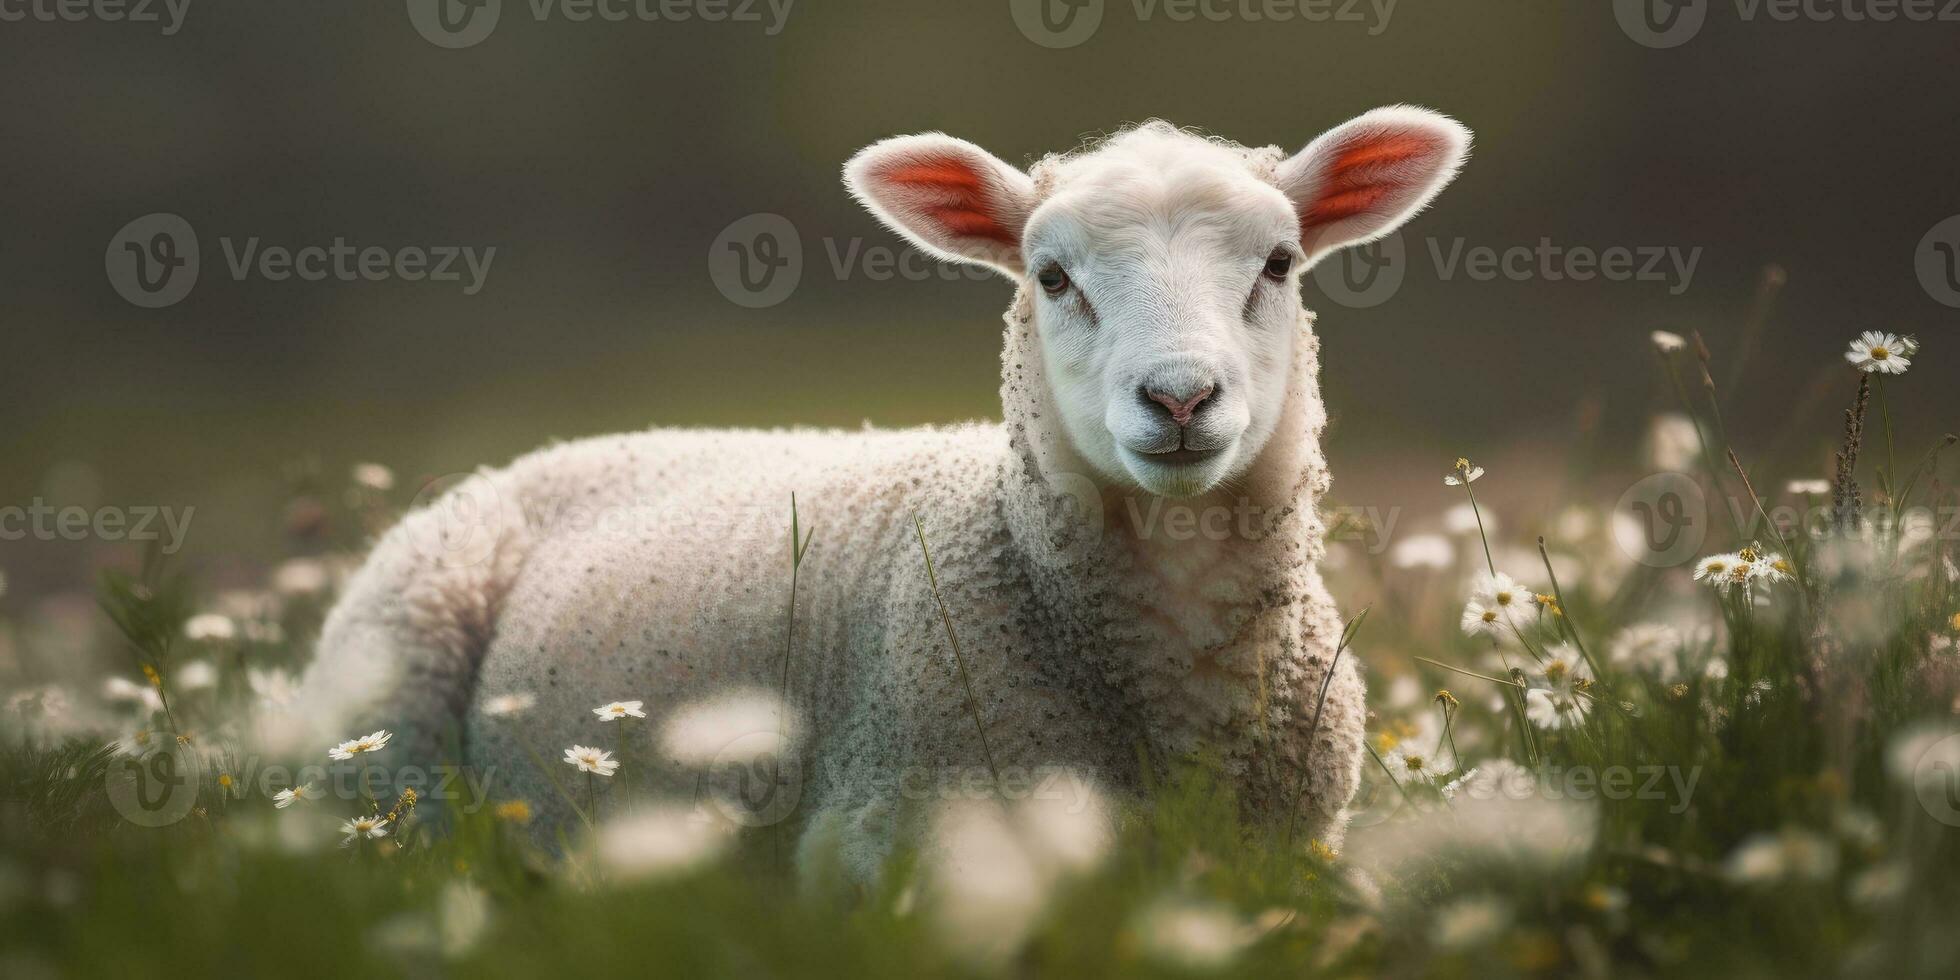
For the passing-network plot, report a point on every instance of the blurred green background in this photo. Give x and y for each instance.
(602, 159)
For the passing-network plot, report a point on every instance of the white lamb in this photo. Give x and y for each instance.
(1128, 560)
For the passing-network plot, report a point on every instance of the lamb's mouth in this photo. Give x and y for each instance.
(1182, 456)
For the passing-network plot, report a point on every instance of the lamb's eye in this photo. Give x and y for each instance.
(1279, 264)
(1052, 279)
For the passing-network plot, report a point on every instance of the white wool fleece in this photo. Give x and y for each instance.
(1104, 628)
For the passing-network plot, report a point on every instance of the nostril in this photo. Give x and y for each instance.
(1182, 408)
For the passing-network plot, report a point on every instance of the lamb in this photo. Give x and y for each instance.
(1128, 560)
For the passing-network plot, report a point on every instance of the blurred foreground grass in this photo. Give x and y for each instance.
(1592, 766)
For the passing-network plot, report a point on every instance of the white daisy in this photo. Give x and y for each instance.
(1423, 551)
(1648, 647)
(124, 689)
(1717, 570)
(1881, 353)
(509, 704)
(588, 759)
(1482, 620)
(1503, 593)
(196, 676)
(1668, 343)
(374, 476)
(287, 797)
(1771, 568)
(1554, 709)
(620, 709)
(356, 746)
(371, 828)
(209, 626)
(1809, 488)
(1563, 668)
(1419, 760)
(1463, 473)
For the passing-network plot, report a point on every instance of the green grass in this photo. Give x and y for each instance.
(1803, 847)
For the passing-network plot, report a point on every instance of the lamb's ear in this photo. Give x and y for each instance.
(951, 198)
(1362, 179)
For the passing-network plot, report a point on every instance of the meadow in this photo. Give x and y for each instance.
(1595, 749)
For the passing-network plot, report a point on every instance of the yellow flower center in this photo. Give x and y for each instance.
(1717, 567)
(1504, 598)
(1413, 762)
(1749, 554)
(1555, 671)
(1490, 615)
(1879, 353)
(1741, 571)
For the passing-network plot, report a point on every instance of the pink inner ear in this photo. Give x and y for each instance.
(950, 192)
(1366, 171)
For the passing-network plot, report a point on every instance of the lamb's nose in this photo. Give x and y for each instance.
(1182, 408)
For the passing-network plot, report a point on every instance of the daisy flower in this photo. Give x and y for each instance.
(355, 746)
(1717, 570)
(1502, 592)
(209, 626)
(1809, 488)
(620, 709)
(1410, 760)
(1482, 620)
(588, 759)
(287, 797)
(509, 704)
(1881, 353)
(371, 828)
(1563, 668)
(1668, 343)
(1462, 474)
(1553, 710)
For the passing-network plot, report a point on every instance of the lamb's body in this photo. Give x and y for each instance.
(613, 574)
(1128, 559)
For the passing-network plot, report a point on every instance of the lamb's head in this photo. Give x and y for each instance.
(1164, 268)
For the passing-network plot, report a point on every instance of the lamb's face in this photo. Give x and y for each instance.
(1165, 284)
(1164, 268)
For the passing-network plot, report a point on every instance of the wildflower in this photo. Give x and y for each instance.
(1481, 620)
(1563, 668)
(403, 804)
(374, 476)
(513, 811)
(150, 674)
(1809, 488)
(1471, 922)
(1450, 788)
(1648, 647)
(588, 759)
(504, 705)
(196, 676)
(209, 626)
(1447, 700)
(356, 746)
(300, 577)
(620, 709)
(1773, 858)
(1412, 761)
(1423, 551)
(1501, 592)
(1717, 570)
(372, 828)
(1462, 474)
(1954, 622)
(1553, 710)
(1668, 343)
(1772, 569)
(1881, 353)
(1547, 603)
(124, 689)
(287, 797)
(737, 728)
(1193, 935)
